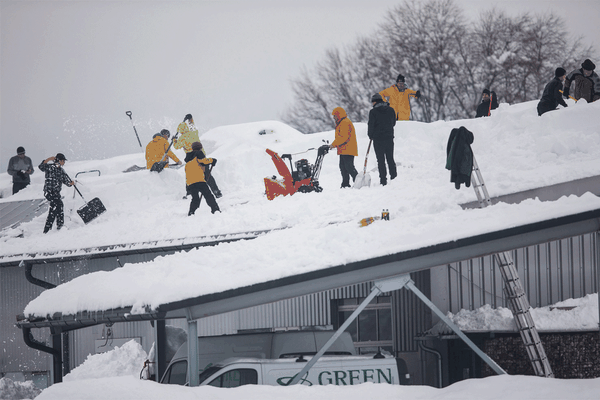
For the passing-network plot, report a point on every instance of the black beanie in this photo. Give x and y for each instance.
(588, 65)
(486, 91)
(376, 98)
(20, 150)
(187, 117)
(559, 72)
(400, 78)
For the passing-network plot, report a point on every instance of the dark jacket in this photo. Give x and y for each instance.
(382, 119)
(483, 108)
(459, 156)
(551, 97)
(17, 164)
(587, 87)
(55, 177)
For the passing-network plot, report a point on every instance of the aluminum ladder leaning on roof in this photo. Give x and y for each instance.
(519, 305)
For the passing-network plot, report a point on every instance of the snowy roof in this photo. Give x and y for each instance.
(516, 150)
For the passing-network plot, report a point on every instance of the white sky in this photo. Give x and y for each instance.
(70, 69)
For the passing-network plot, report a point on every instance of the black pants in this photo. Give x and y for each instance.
(384, 151)
(55, 211)
(347, 169)
(201, 187)
(19, 185)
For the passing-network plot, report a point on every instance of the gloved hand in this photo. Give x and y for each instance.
(214, 162)
(418, 94)
(22, 175)
(566, 93)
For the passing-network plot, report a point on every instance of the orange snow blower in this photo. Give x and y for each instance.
(304, 179)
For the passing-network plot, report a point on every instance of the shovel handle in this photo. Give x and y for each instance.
(367, 156)
(128, 113)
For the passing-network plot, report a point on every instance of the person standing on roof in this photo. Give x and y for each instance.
(188, 134)
(484, 108)
(382, 120)
(20, 167)
(195, 178)
(158, 149)
(552, 97)
(345, 142)
(55, 178)
(585, 82)
(399, 96)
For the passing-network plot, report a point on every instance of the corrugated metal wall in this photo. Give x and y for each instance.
(550, 272)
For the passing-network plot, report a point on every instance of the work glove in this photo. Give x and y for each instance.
(214, 162)
(22, 175)
(418, 94)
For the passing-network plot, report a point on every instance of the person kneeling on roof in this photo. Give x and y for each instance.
(195, 178)
(158, 149)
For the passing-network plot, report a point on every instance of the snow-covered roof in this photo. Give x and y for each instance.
(516, 150)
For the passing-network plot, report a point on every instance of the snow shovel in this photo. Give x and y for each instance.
(91, 209)
(128, 113)
(364, 179)
(160, 165)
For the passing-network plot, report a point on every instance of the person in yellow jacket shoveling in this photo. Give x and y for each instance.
(156, 149)
(195, 178)
(399, 95)
(188, 134)
(345, 141)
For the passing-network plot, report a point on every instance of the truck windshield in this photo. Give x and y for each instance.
(208, 372)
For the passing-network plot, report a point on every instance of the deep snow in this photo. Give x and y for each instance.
(516, 150)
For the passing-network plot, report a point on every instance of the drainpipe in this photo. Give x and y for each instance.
(29, 276)
(54, 351)
(439, 360)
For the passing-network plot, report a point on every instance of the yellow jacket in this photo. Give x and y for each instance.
(155, 151)
(194, 170)
(187, 136)
(345, 135)
(399, 101)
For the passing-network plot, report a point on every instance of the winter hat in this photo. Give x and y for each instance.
(196, 146)
(187, 117)
(376, 98)
(559, 72)
(400, 78)
(588, 65)
(165, 132)
(486, 91)
(20, 150)
(60, 157)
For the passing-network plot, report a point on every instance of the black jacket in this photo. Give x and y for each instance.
(551, 97)
(55, 177)
(382, 119)
(484, 107)
(459, 156)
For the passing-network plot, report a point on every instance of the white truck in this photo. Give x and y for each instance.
(328, 370)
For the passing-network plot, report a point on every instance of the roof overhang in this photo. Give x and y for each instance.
(343, 275)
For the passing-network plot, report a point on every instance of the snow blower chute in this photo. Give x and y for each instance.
(304, 179)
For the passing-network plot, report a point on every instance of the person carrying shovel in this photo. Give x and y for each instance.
(158, 150)
(55, 177)
(196, 177)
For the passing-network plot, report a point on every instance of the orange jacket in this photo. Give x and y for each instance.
(155, 151)
(399, 101)
(194, 170)
(187, 135)
(345, 135)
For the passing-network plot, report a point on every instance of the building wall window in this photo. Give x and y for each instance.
(371, 331)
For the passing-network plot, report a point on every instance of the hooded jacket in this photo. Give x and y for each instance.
(345, 135)
(459, 156)
(195, 167)
(551, 97)
(382, 119)
(587, 87)
(155, 151)
(399, 101)
(188, 134)
(484, 107)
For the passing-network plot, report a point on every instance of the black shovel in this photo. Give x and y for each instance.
(160, 165)
(91, 209)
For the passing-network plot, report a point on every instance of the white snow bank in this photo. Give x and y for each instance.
(13, 390)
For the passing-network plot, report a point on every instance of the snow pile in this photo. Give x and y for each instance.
(572, 314)
(126, 360)
(11, 390)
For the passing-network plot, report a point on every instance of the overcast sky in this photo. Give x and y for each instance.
(70, 69)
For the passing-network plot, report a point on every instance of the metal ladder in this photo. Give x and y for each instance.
(514, 291)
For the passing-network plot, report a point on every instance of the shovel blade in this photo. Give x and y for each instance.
(362, 180)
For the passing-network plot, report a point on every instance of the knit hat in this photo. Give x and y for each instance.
(376, 98)
(400, 78)
(187, 117)
(196, 146)
(165, 132)
(20, 150)
(588, 65)
(60, 157)
(559, 72)
(486, 91)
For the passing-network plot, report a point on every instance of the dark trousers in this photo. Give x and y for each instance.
(347, 169)
(201, 187)
(384, 151)
(19, 185)
(213, 186)
(55, 211)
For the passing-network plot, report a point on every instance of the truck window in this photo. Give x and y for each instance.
(235, 378)
(177, 374)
